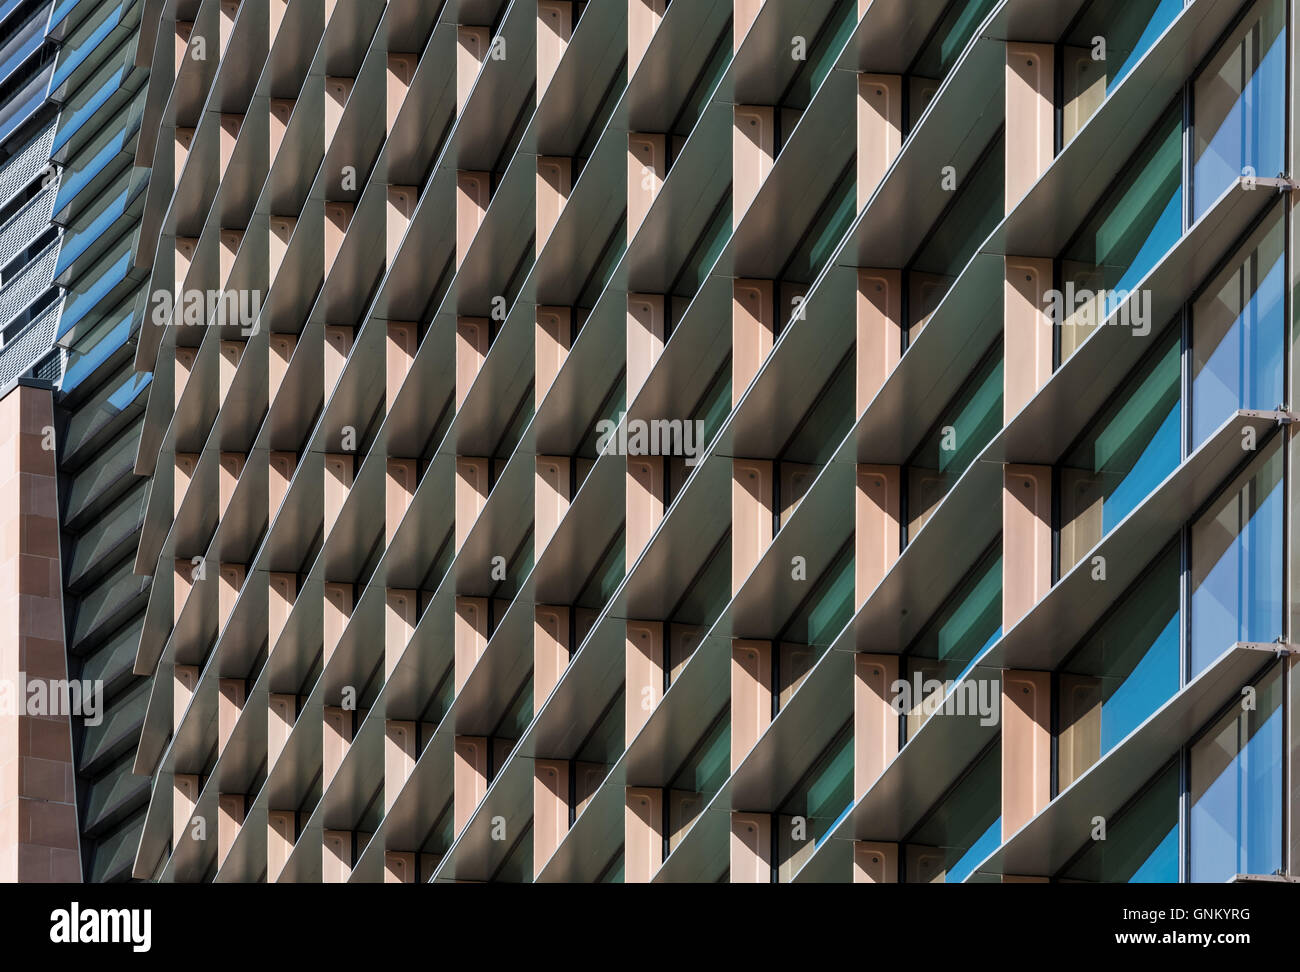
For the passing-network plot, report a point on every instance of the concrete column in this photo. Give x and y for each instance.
(646, 334)
(338, 608)
(1030, 113)
(643, 17)
(231, 694)
(400, 754)
(472, 486)
(550, 499)
(230, 820)
(470, 636)
(403, 340)
(879, 311)
(753, 332)
(751, 695)
(647, 167)
(281, 833)
(550, 649)
(282, 589)
(880, 130)
(401, 72)
(469, 778)
(336, 856)
(645, 503)
(399, 212)
(401, 613)
(550, 808)
(751, 516)
(280, 349)
(643, 852)
(753, 153)
(335, 741)
(554, 29)
(554, 183)
(877, 530)
(339, 471)
(875, 863)
(554, 336)
(1026, 539)
(644, 684)
(399, 489)
(230, 466)
(751, 848)
(281, 713)
(473, 193)
(1026, 747)
(875, 721)
(338, 217)
(473, 338)
(472, 44)
(1027, 340)
(399, 867)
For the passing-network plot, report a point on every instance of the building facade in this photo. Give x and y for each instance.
(647, 441)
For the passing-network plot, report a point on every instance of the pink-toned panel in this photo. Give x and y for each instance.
(643, 851)
(751, 696)
(751, 848)
(875, 863)
(753, 332)
(877, 530)
(644, 685)
(751, 516)
(879, 331)
(1030, 116)
(880, 130)
(875, 720)
(753, 151)
(1026, 539)
(1027, 331)
(1026, 747)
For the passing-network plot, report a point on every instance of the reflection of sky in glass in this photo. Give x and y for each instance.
(1236, 825)
(1250, 135)
(1162, 18)
(1245, 369)
(1157, 461)
(985, 845)
(1151, 682)
(1161, 867)
(1240, 597)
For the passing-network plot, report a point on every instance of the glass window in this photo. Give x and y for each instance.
(826, 611)
(818, 803)
(1238, 334)
(968, 424)
(1236, 790)
(1142, 843)
(700, 777)
(963, 829)
(1128, 451)
(954, 32)
(1091, 70)
(970, 622)
(1121, 673)
(1141, 219)
(1240, 106)
(1237, 563)
(972, 215)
